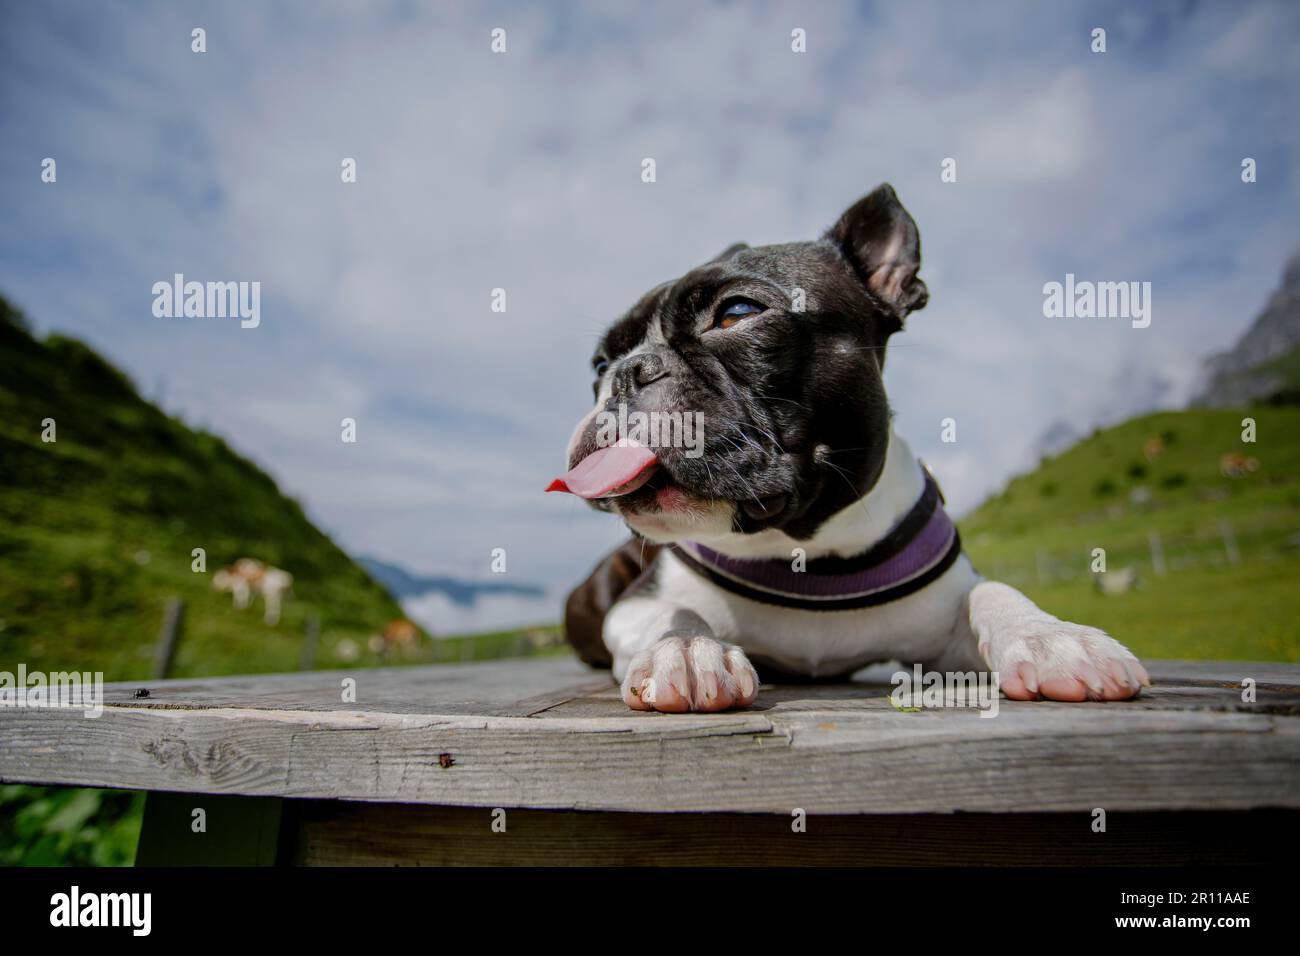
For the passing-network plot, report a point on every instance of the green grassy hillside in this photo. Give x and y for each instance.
(97, 530)
(1104, 493)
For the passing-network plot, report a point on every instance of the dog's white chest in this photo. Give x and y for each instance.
(918, 627)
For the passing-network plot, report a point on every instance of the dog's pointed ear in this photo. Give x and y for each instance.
(882, 243)
(730, 251)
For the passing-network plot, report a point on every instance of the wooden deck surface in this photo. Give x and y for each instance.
(549, 733)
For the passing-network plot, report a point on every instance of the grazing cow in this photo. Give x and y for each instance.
(1119, 581)
(247, 578)
(274, 585)
(1234, 465)
(398, 635)
(236, 582)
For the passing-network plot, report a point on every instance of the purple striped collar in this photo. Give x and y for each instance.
(915, 552)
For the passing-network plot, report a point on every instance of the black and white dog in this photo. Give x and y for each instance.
(799, 534)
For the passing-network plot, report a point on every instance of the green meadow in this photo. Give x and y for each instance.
(1230, 586)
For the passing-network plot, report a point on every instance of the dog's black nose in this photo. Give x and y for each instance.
(638, 371)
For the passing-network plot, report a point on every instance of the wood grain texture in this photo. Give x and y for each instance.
(550, 734)
(493, 688)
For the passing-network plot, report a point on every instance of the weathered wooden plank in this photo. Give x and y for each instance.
(535, 687)
(501, 688)
(329, 833)
(1229, 672)
(603, 700)
(826, 748)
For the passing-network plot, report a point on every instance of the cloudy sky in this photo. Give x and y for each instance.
(522, 171)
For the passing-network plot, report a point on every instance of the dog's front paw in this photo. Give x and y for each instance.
(682, 672)
(1046, 658)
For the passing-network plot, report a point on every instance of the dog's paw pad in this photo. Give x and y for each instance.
(680, 673)
(1049, 659)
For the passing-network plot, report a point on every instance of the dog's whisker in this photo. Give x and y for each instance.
(749, 441)
(745, 486)
(771, 437)
(848, 480)
(777, 398)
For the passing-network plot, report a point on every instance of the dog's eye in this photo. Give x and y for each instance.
(735, 310)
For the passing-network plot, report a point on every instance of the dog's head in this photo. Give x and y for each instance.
(747, 394)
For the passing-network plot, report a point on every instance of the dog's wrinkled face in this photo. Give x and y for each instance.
(776, 354)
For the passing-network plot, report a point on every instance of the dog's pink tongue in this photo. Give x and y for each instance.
(607, 472)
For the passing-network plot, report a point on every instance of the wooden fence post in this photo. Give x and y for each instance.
(1157, 552)
(309, 641)
(1229, 542)
(170, 636)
